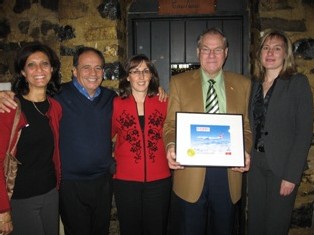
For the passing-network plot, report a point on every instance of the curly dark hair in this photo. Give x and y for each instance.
(125, 89)
(20, 85)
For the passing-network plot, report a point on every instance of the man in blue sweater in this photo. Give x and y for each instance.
(85, 146)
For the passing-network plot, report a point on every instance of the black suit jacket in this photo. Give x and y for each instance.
(288, 126)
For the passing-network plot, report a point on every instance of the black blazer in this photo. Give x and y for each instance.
(288, 126)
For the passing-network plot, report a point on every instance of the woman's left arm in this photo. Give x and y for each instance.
(303, 129)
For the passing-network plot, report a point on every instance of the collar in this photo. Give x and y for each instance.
(83, 91)
(218, 78)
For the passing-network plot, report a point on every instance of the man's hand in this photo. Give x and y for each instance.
(171, 157)
(286, 188)
(7, 101)
(163, 96)
(247, 164)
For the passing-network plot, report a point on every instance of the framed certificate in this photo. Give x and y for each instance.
(204, 139)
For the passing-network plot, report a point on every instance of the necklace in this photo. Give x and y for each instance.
(38, 108)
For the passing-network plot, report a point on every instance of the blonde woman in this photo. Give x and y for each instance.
(281, 121)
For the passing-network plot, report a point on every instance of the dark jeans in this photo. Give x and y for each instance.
(85, 205)
(142, 206)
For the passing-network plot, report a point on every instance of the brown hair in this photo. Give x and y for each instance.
(124, 85)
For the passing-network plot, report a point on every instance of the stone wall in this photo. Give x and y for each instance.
(65, 25)
(296, 18)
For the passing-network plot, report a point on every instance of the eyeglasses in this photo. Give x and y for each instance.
(138, 73)
(216, 51)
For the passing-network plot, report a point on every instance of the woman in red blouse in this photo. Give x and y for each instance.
(142, 183)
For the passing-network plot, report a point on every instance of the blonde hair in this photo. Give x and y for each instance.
(289, 66)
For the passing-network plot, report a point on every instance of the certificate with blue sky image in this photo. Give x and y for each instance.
(204, 139)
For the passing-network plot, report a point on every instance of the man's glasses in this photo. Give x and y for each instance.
(138, 73)
(207, 51)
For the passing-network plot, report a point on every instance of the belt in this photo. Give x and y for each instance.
(260, 149)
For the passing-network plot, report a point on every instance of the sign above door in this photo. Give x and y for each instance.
(184, 7)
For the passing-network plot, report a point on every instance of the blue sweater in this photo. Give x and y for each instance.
(85, 133)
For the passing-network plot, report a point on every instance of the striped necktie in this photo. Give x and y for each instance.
(211, 99)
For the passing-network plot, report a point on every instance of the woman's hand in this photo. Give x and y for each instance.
(6, 226)
(163, 96)
(286, 188)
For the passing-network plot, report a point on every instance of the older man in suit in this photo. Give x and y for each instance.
(204, 197)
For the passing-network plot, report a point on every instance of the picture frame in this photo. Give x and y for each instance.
(204, 139)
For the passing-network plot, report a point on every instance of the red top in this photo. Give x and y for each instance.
(140, 155)
(6, 123)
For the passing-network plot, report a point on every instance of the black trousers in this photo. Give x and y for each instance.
(142, 206)
(212, 214)
(85, 205)
(269, 213)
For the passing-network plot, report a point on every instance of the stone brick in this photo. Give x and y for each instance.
(309, 2)
(121, 51)
(24, 26)
(304, 48)
(110, 9)
(66, 68)
(3, 68)
(267, 5)
(21, 5)
(4, 28)
(113, 71)
(11, 46)
(100, 33)
(67, 51)
(51, 5)
(35, 34)
(302, 217)
(46, 26)
(282, 24)
(111, 50)
(72, 9)
(65, 33)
